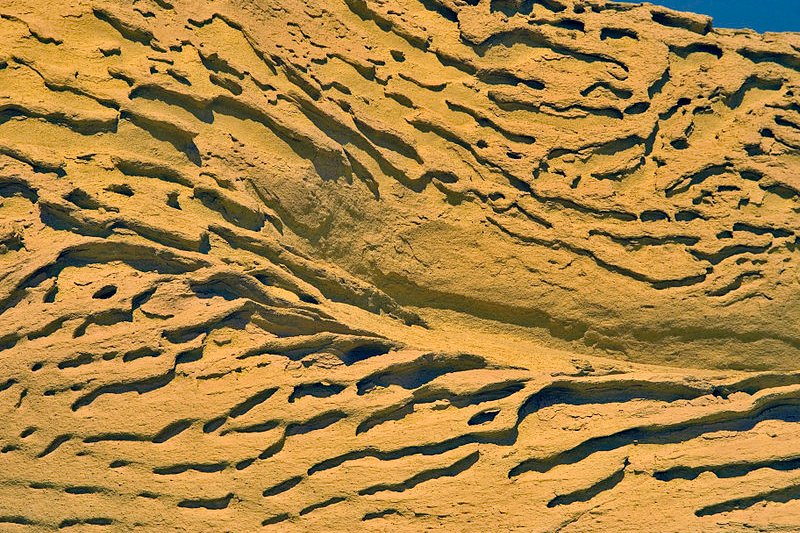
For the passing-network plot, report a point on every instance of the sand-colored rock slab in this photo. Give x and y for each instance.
(401, 265)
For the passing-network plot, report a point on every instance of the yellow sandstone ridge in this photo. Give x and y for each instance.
(397, 265)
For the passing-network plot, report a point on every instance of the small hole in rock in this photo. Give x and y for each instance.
(172, 200)
(106, 292)
(50, 295)
(120, 188)
(483, 417)
(307, 298)
(653, 216)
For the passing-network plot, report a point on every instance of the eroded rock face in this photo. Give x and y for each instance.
(456, 265)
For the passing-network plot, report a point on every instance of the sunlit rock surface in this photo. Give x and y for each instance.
(397, 265)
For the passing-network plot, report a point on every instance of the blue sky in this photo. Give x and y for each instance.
(760, 15)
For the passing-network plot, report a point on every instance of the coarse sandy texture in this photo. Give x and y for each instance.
(396, 265)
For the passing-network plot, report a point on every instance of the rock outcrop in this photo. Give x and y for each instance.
(397, 265)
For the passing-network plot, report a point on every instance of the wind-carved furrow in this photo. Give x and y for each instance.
(338, 286)
(500, 437)
(19, 520)
(267, 60)
(141, 257)
(782, 59)
(348, 349)
(251, 402)
(94, 521)
(498, 76)
(168, 131)
(199, 107)
(361, 352)
(7, 384)
(172, 430)
(659, 284)
(536, 38)
(321, 505)
(235, 318)
(658, 86)
(648, 240)
(126, 29)
(616, 91)
(213, 62)
(268, 452)
(232, 211)
(135, 167)
(782, 495)
(440, 8)
(54, 445)
(483, 417)
(779, 407)
(207, 468)
(138, 353)
(387, 139)
(328, 159)
(108, 317)
(275, 519)
(35, 32)
(760, 382)
(36, 164)
(316, 390)
(339, 133)
(381, 416)
(413, 374)
(84, 490)
(452, 470)
(736, 284)
(727, 252)
(488, 393)
(11, 186)
(428, 394)
(63, 217)
(362, 10)
(585, 495)
(613, 391)
(485, 121)
(673, 19)
(569, 203)
(727, 470)
(139, 386)
(213, 504)
(283, 486)
(116, 437)
(84, 125)
(685, 182)
(762, 230)
(321, 421)
(231, 285)
(48, 329)
(259, 427)
(736, 99)
(283, 321)
(694, 48)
